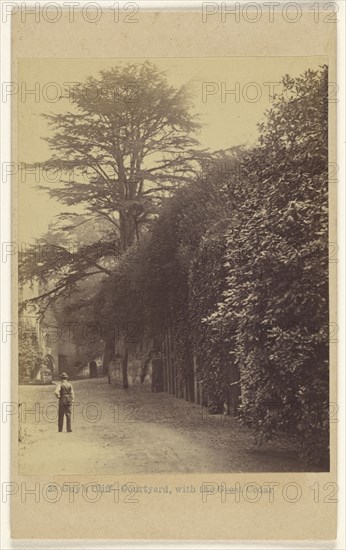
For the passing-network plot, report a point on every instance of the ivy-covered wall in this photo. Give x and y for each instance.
(232, 281)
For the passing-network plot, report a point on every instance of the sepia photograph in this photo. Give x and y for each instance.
(172, 333)
(173, 265)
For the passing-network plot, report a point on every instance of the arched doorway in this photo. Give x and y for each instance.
(49, 363)
(93, 369)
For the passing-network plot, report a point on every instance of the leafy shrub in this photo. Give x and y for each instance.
(30, 358)
(277, 272)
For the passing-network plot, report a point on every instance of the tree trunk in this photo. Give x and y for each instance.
(127, 237)
(127, 230)
(124, 367)
(108, 352)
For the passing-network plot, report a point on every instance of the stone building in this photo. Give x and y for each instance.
(58, 342)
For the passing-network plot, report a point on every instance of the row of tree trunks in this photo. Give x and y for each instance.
(192, 388)
(171, 382)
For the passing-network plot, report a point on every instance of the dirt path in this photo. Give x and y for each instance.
(135, 431)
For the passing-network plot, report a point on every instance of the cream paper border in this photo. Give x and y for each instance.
(185, 517)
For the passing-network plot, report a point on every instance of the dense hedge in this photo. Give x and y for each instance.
(277, 273)
(207, 285)
(238, 267)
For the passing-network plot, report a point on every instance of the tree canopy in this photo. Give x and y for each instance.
(127, 141)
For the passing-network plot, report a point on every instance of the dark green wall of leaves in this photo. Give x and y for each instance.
(237, 266)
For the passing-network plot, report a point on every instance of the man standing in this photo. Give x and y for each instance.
(65, 394)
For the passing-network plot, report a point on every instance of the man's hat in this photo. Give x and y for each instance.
(64, 376)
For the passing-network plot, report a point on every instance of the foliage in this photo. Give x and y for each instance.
(126, 141)
(65, 258)
(207, 284)
(125, 148)
(151, 285)
(277, 272)
(30, 358)
(173, 246)
(238, 268)
(118, 304)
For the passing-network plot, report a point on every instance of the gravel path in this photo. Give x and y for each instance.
(136, 431)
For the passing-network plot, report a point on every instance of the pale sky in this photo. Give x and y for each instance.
(228, 119)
